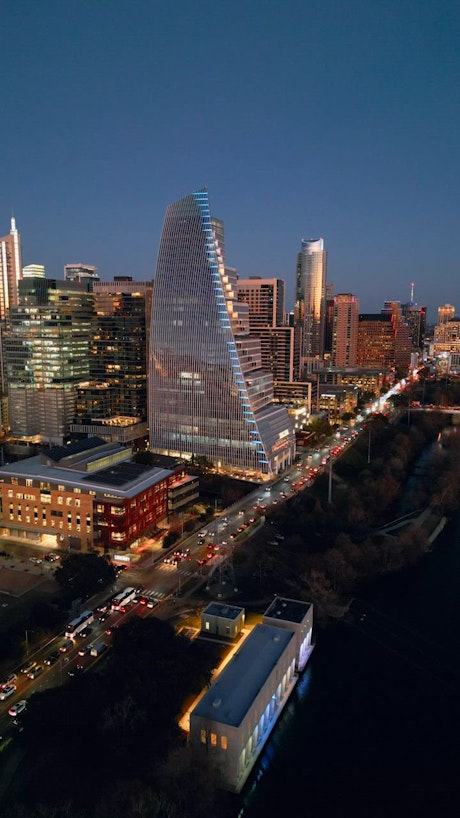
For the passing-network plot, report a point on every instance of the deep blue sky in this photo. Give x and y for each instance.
(333, 118)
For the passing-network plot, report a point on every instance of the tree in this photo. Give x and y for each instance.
(82, 575)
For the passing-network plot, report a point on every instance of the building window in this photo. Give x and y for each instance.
(61, 488)
(213, 737)
(223, 742)
(77, 503)
(60, 501)
(203, 736)
(29, 482)
(10, 492)
(77, 491)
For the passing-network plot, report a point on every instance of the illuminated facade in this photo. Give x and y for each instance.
(208, 392)
(310, 298)
(80, 272)
(117, 385)
(46, 355)
(345, 329)
(84, 495)
(10, 270)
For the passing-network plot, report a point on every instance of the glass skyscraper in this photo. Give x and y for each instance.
(208, 393)
(310, 301)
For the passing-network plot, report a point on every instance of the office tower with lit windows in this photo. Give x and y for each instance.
(384, 340)
(345, 321)
(265, 298)
(310, 300)
(208, 393)
(46, 355)
(117, 385)
(34, 271)
(446, 313)
(10, 269)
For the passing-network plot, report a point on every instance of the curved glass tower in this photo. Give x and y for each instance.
(310, 297)
(208, 393)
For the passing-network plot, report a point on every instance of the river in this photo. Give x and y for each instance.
(372, 729)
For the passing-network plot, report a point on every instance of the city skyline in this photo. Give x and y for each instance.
(303, 120)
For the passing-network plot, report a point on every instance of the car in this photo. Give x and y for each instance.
(110, 629)
(36, 671)
(36, 560)
(66, 645)
(142, 600)
(76, 671)
(85, 632)
(104, 616)
(52, 658)
(7, 691)
(27, 668)
(10, 679)
(84, 650)
(18, 708)
(151, 603)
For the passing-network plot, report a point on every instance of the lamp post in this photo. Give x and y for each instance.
(28, 630)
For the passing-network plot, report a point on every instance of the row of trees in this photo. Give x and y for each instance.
(111, 738)
(329, 547)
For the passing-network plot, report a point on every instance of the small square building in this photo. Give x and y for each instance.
(297, 616)
(220, 619)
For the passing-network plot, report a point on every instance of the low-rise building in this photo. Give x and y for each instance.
(293, 614)
(84, 495)
(221, 619)
(231, 723)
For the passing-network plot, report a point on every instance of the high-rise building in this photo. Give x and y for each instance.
(446, 313)
(10, 269)
(382, 341)
(208, 393)
(80, 272)
(310, 299)
(46, 355)
(345, 330)
(117, 386)
(265, 298)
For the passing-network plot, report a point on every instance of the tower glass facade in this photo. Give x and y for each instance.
(208, 394)
(310, 302)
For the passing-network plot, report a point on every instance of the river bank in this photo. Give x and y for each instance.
(372, 728)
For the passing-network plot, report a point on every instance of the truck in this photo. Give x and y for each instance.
(98, 649)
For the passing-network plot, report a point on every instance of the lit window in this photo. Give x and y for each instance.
(223, 742)
(203, 736)
(207, 625)
(213, 739)
(60, 501)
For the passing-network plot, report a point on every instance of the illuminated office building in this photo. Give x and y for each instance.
(10, 270)
(208, 393)
(345, 330)
(117, 385)
(46, 355)
(34, 271)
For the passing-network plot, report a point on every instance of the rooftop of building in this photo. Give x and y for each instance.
(122, 480)
(230, 697)
(288, 610)
(223, 610)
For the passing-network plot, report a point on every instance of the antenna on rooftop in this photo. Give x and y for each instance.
(412, 285)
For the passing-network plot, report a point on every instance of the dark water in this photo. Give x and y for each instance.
(373, 726)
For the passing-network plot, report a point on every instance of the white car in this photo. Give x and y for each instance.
(18, 708)
(7, 691)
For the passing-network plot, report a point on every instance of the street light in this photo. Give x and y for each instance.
(28, 630)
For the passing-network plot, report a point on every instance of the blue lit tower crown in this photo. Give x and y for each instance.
(208, 393)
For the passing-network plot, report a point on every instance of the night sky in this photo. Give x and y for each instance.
(304, 118)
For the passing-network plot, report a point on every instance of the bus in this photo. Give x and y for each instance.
(79, 624)
(122, 599)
